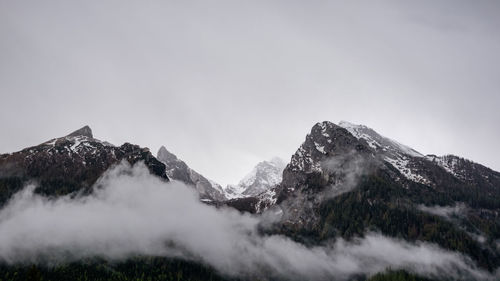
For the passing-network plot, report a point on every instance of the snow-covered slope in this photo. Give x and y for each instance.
(398, 155)
(263, 176)
(467, 171)
(378, 142)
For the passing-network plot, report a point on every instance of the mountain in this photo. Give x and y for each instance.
(176, 169)
(346, 180)
(68, 164)
(263, 177)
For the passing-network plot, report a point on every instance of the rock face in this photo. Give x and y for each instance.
(262, 178)
(176, 169)
(330, 158)
(322, 160)
(68, 164)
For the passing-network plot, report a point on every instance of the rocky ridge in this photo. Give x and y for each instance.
(177, 169)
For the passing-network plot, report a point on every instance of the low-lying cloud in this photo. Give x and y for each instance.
(133, 213)
(448, 212)
(346, 170)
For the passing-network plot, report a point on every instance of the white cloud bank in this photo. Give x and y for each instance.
(134, 213)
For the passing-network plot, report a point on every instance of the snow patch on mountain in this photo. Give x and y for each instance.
(377, 141)
(449, 163)
(398, 155)
(79, 142)
(402, 165)
(303, 158)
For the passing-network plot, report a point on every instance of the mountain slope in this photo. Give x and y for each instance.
(398, 155)
(68, 164)
(178, 170)
(444, 173)
(377, 141)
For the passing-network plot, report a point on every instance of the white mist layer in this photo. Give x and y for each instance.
(444, 211)
(134, 213)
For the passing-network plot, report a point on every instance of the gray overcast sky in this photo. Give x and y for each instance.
(225, 84)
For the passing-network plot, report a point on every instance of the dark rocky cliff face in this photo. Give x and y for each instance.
(322, 166)
(68, 164)
(313, 159)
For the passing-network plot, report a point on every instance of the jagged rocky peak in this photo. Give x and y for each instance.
(325, 162)
(325, 140)
(78, 140)
(85, 131)
(165, 155)
(325, 144)
(178, 170)
(72, 163)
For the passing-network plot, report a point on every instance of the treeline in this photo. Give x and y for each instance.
(376, 206)
(381, 205)
(137, 269)
(399, 275)
(149, 269)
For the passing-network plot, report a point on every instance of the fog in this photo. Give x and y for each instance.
(458, 209)
(347, 170)
(132, 213)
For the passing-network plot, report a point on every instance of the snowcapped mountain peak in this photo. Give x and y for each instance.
(78, 142)
(263, 176)
(328, 139)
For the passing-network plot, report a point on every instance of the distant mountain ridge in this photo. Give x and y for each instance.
(263, 177)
